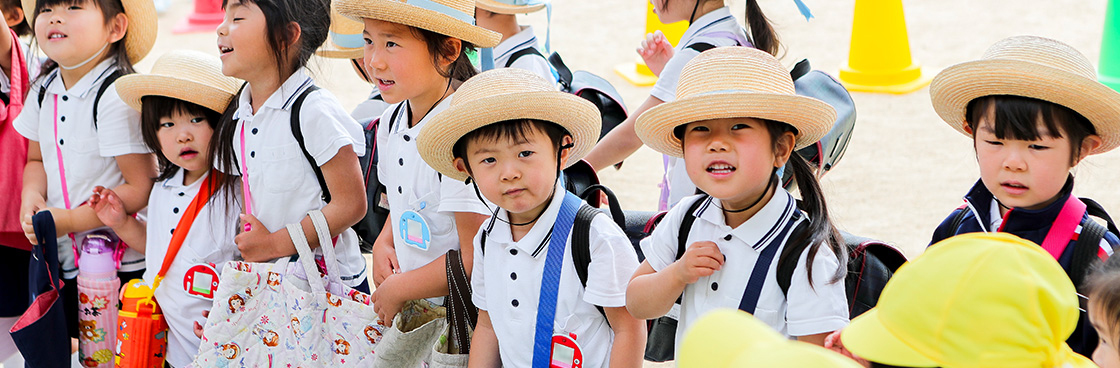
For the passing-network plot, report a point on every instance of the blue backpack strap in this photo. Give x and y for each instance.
(550, 280)
(762, 266)
(297, 131)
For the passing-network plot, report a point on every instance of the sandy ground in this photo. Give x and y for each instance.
(904, 169)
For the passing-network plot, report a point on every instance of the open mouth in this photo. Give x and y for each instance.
(55, 35)
(1014, 187)
(385, 82)
(188, 153)
(720, 168)
(225, 49)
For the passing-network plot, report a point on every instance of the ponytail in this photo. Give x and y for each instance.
(762, 33)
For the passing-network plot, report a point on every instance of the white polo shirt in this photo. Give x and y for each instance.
(281, 182)
(506, 281)
(417, 194)
(89, 154)
(520, 41)
(806, 311)
(712, 28)
(210, 240)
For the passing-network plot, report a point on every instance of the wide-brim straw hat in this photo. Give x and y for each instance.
(510, 6)
(186, 75)
(506, 94)
(734, 82)
(345, 41)
(1035, 67)
(453, 18)
(139, 37)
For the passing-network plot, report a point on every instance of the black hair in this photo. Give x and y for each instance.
(109, 9)
(821, 229)
(762, 32)
(440, 46)
(1016, 117)
(516, 130)
(156, 108)
(313, 18)
(1103, 289)
(23, 28)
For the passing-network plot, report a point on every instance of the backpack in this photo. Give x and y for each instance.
(586, 85)
(112, 77)
(369, 227)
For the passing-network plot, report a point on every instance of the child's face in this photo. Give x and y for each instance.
(672, 11)
(185, 141)
(243, 43)
(516, 176)
(1106, 355)
(733, 159)
(399, 62)
(72, 33)
(1022, 174)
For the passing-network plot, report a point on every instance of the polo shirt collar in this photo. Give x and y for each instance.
(760, 229)
(1019, 219)
(85, 84)
(176, 181)
(703, 24)
(280, 100)
(401, 125)
(535, 242)
(517, 42)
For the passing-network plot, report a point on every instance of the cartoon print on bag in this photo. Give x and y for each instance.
(236, 303)
(334, 300)
(273, 280)
(341, 346)
(373, 334)
(89, 330)
(231, 351)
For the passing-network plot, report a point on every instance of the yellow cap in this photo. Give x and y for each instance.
(733, 338)
(973, 300)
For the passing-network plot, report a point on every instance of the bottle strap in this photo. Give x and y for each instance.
(1065, 225)
(204, 193)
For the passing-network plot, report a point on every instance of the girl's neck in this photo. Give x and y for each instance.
(70, 77)
(261, 89)
(422, 105)
(705, 8)
(191, 176)
(734, 219)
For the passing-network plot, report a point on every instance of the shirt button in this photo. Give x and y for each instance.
(400, 161)
(728, 237)
(515, 303)
(62, 118)
(513, 252)
(253, 154)
(64, 98)
(175, 210)
(715, 286)
(407, 138)
(254, 131)
(399, 190)
(61, 141)
(182, 194)
(513, 275)
(172, 231)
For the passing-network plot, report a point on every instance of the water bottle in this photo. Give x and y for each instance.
(98, 289)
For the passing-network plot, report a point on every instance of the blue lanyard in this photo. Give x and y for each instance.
(550, 280)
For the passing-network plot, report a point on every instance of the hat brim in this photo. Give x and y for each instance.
(143, 25)
(578, 116)
(867, 338)
(813, 118)
(414, 16)
(133, 87)
(956, 86)
(331, 50)
(500, 8)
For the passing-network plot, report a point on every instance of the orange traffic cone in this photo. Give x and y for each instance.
(637, 73)
(879, 58)
(206, 17)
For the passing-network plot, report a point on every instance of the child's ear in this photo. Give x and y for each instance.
(456, 47)
(13, 16)
(565, 153)
(462, 166)
(117, 27)
(966, 127)
(783, 148)
(1088, 145)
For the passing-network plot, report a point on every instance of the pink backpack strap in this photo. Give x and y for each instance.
(1065, 227)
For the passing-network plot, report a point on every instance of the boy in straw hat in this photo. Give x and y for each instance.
(510, 132)
(519, 45)
(974, 300)
(1034, 110)
(732, 338)
(180, 104)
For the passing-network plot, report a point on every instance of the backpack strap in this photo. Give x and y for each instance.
(581, 244)
(525, 51)
(1085, 252)
(786, 263)
(565, 73)
(42, 94)
(701, 46)
(297, 131)
(686, 225)
(1096, 210)
(101, 91)
(791, 253)
(956, 219)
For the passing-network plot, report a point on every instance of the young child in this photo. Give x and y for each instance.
(81, 134)
(418, 56)
(518, 48)
(975, 300)
(284, 178)
(735, 121)
(510, 132)
(179, 104)
(1031, 119)
(711, 23)
(1104, 312)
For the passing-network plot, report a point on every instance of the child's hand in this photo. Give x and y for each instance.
(386, 299)
(833, 342)
(656, 51)
(198, 327)
(109, 207)
(700, 260)
(256, 244)
(30, 205)
(384, 261)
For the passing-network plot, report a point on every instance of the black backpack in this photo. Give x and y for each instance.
(369, 227)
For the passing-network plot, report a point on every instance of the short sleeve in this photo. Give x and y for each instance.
(118, 127)
(666, 87)
(478, 273)
(536, 64)
(27, 123)
(457, 196)
(660, 248)
(613, 262)
(326, 127)
(823, 307)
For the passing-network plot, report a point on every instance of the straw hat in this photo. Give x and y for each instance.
(142, 26)
(454, 18)
(973, 300)
(500, 95)
(1034, 67)
(345, 40)
(734, 338)
(734, 82)
(186, 75)
(511, 6)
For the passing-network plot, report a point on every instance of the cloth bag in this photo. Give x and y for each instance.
(452, 349)
(265, 314)
(40, 333)
(408, 342)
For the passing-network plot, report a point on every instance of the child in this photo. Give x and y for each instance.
(519, 45)
(1104, 312)
(418, 58)
(733, 338)
(1031, 119)
(510, 132)
(976, 300)
(282, 177)
(711, 23)
(736, 120)
(81, 135)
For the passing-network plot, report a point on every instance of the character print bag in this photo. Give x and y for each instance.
(285, 313)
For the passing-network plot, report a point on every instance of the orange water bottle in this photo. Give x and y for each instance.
(141, 329)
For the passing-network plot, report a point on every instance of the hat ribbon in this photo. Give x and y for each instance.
(350, 41)
(804, 9)
(523, 2)
(442, 9)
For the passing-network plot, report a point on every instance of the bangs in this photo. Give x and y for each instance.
(517, 131)
(109, 8)
(1024, 118)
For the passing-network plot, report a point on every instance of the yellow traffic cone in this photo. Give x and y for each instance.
(637, 73)
(879, 59)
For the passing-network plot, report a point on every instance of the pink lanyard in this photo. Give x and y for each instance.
(1064, 227)
(245, 178)
(61, 167)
